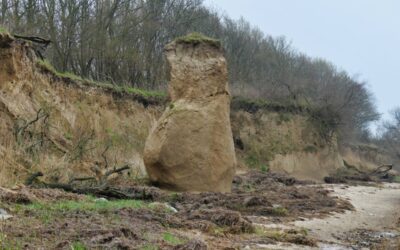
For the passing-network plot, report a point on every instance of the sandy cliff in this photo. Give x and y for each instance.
(65, 126)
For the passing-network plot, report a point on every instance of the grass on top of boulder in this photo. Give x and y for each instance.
(197, 38)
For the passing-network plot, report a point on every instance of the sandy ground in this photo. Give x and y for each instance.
(377, 209)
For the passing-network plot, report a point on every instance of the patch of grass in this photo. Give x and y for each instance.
(310, 149)
(3, 30)
(197, 38)
(254, 162)
(264, 168)
(276, 235)
(68, 136)
(149, 247)
(259, 230)
(279, 211)
(146, 93)
(217, 231)
(175, 197)
(87, 205)
(254, 105)
(172, 239)
(396, 179)
(303, 231)
(291, 236)
(46, 212)
(78, 246)
(283, 117)
(46, 65)
(8, 244)
(248, 187)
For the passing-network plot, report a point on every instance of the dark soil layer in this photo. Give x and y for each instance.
(53, 219)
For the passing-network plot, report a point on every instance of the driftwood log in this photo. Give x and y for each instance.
(101, 189)
(380, 173)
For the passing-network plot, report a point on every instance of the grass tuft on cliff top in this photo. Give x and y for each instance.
(253, 105)
(46, 65)
(196, 38)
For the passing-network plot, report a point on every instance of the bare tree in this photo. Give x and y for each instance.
(122, 42)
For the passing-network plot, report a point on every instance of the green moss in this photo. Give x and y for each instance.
(197, 38)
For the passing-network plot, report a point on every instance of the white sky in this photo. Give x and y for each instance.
(359, 36)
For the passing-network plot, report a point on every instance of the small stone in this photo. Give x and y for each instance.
(4, 215)
(163, 206)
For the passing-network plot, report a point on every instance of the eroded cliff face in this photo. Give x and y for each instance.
(284, 141)
(62, 127)
(364, 157)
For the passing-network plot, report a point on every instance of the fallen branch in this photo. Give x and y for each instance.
(102, 189)
(377, 174)
(34, 39)
(29, 181)
(104, 155)
(381, 170)
(39, 115)
(116, 170)
(81, 179)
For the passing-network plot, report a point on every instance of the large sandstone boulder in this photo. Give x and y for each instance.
(191, 147)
